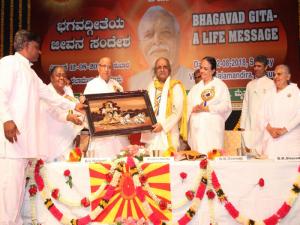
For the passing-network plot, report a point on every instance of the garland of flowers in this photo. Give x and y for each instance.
(134, 163)
(55, 193)
(162, 204)
(113, 177)
(190, 193)
(138, 181)
(58, 214)
(188, 216)
(32, 190)
(85, 201)
(210, 196)
(273, 219)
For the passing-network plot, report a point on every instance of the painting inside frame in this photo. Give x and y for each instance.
(119, 113)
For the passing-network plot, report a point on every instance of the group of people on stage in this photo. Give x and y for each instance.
(270, 118)
(40, 121)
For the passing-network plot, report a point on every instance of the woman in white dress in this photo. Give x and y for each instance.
(280, 117)
(209, 106)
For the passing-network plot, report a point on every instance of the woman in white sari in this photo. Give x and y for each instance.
(280, 117)
(209, 106)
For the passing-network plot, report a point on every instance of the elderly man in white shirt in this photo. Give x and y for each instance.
(255, 93)
(168, 98)
(108, 146)
(22, 136)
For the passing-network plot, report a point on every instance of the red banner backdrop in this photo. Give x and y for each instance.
(78, 33)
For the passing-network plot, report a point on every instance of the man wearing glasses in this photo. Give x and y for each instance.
(168, 99)
(103, 83)
(111, 145)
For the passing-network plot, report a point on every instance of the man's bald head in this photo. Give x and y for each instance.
(159, 35)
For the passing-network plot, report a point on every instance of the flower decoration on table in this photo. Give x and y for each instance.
(133, 188)
(67, 174)
(210, 194)
(131, 221)
(190, 194)
(50, 205)
(211, 155)
(85, 202)
(261, 182)
(271, 220)
(55, 193)
(203, 164)
(196, 197)
(183, 176)
(75, 155)
(32, 190)
(136, 151)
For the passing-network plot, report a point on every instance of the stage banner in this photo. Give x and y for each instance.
(76, 34)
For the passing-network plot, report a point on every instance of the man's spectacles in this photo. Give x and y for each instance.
(108, 67)
(162, 68)
(59, 75)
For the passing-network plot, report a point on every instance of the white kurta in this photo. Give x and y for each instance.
(206, 129)
(282, 109)
(108, 146)
(252, 103)
(61, 133)
(159, 141)
(20, 93)
(142, 80)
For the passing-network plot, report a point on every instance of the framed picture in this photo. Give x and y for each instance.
(119, 113)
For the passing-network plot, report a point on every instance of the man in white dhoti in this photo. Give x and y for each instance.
(159, 36)
(280, 117)
(64, 125)
(22, 134)
(108, 146)
(209, 106)
(252, 103)
(168, 99)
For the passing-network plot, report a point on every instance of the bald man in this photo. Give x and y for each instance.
(108, 146)
(159, 36)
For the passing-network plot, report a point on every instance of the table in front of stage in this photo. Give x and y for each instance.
(239, 180)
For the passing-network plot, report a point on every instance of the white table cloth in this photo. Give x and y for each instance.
(239, 180)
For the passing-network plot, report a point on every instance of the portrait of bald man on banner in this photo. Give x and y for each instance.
(159, 36)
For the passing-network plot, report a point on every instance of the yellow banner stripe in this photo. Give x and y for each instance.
(162, 193)
(133, 210)
(166, 212)
(164, 178)
(96, 181)
(110, 217)
(125, 210)
(153, 166)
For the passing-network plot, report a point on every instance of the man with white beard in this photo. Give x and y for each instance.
(159, 36)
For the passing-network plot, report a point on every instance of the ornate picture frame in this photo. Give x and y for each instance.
(119, 113)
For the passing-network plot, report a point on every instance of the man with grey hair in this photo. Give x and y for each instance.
(22, 133)
(108, 146)
(159, 36)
